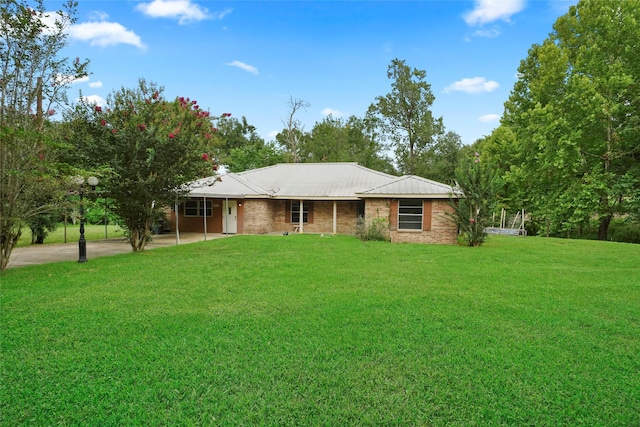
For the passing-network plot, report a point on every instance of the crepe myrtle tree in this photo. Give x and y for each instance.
(147, 148)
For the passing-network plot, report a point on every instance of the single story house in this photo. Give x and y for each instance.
(317, 198)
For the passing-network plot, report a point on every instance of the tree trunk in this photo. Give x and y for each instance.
(140, 236)
(603, 228)
(8, 241)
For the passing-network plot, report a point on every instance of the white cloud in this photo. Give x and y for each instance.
(185, 11)
(273, 133)
(490, 33)
(95, 99)
(487, 118)
(331, 112)
(95, 84)
(486, 11)
(98, 15)
(243, 66)
(472, 85)
(104, 34)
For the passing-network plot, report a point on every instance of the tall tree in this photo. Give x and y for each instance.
(33, 80)
(147, 148)
(405, 115)
(439, 162)
(576, 114)
(337, 140)
(241, 148)
(293, 134)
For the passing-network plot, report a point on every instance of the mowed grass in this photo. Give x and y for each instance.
(312, 330)
(91, 232)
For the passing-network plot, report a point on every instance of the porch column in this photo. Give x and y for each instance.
(301, 216)
(335, 217)
(177, 225)
(204, 215)
(226, 216)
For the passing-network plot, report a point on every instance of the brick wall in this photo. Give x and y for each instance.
(195, 224)
(442, 230)
(257, 216)
(322, 217)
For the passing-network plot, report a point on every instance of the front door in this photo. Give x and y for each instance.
(230, 217)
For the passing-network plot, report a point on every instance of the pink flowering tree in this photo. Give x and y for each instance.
(475, 201)
(146, 148)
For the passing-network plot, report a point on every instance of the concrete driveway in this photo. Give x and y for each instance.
(42, 254)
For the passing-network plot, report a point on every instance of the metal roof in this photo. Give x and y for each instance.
(410, 186)
(317, 181)
(228, 185)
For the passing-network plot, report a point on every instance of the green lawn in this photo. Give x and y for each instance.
(91, 232)
(311, 330)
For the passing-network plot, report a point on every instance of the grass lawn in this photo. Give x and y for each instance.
(311, 330)
(91, 232)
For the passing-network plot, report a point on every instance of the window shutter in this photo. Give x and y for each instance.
(426, 215)
(394, 214)
(310, 212)
(287, 211)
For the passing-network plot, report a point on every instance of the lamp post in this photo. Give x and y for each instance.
(82, 243)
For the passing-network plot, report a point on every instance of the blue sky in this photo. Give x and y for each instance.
(249, 57)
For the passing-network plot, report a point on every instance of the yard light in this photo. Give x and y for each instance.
(82, 243)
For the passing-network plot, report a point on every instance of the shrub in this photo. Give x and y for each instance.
(378, 230)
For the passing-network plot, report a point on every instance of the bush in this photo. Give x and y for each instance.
(378, 230)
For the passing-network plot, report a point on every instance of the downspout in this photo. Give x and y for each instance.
(204, 215)
(177, 223)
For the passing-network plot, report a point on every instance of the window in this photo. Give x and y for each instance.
(410, 214)
(196, 208)
(295, 212)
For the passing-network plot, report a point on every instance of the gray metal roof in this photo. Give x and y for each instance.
(229, 185)
(410, 186)
(316, 180)
(319, 181)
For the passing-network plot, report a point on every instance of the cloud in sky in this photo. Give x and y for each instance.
(487, 118)
(250, 68)
(331, 112)
(185, 11)
(95, 99)
(472, 85)
(486, 11)
(104, 34)
(490, 33)
(95, 84)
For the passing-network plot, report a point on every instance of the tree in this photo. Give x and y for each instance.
(439, 162)
(575, 112)
(33, 81)
(241, 148)
(146, 148)
(293, 134)
(350, 140)
(474, 205)
(404, 115)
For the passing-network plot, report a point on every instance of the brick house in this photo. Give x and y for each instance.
(317, 198)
